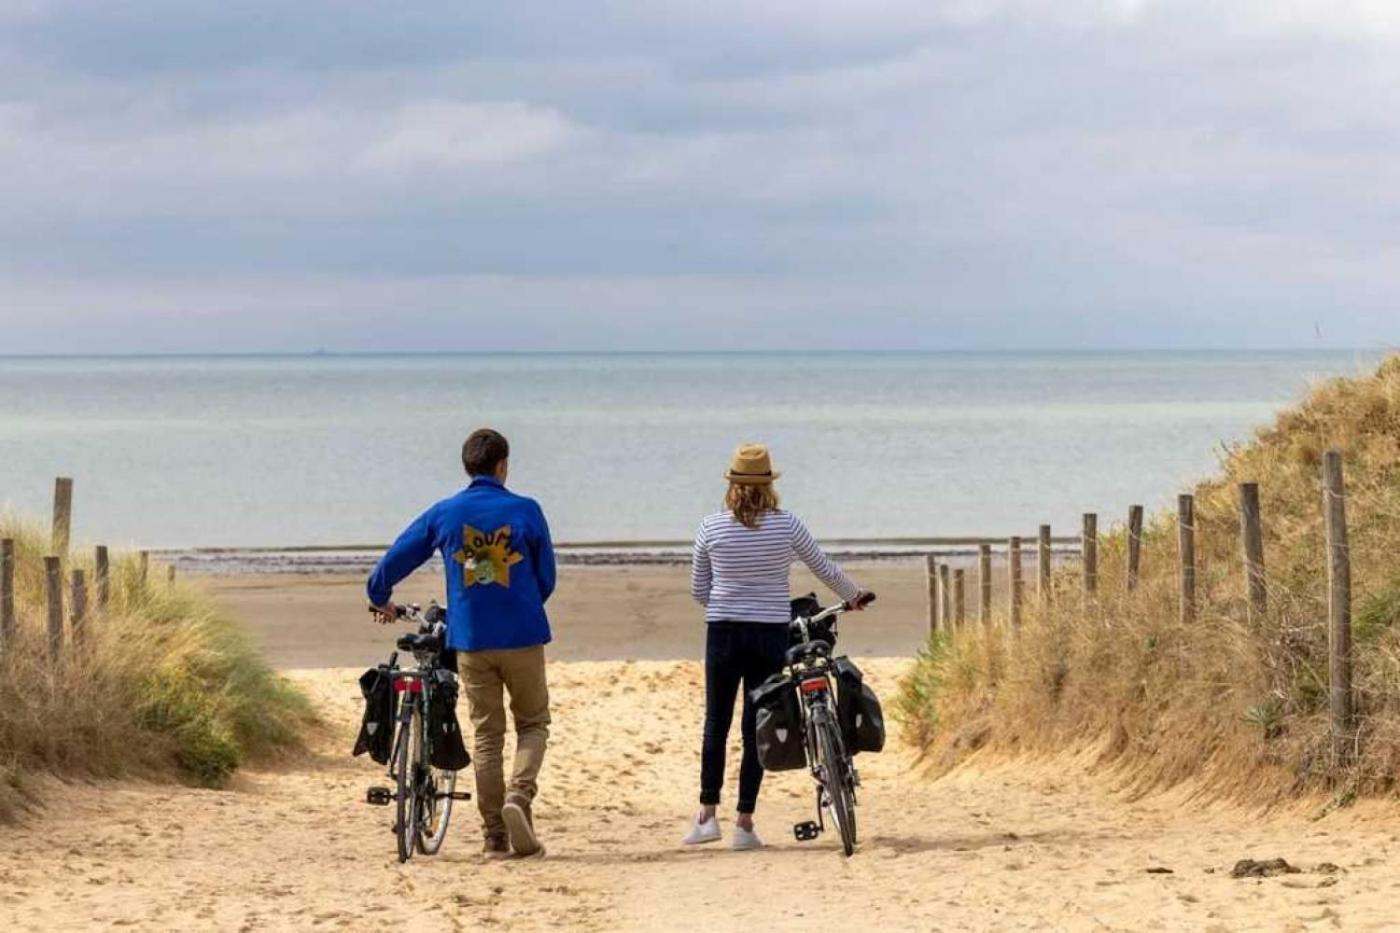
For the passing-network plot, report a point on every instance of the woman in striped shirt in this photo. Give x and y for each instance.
(739, 573)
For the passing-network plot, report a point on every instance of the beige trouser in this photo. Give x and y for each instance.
(520, 673)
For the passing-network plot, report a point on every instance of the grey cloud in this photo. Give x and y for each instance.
(950, 174)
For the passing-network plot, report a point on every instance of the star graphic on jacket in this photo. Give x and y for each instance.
(486, 557)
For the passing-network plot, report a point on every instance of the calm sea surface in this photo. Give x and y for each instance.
(338, 450)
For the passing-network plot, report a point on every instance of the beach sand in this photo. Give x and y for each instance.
(994, 846)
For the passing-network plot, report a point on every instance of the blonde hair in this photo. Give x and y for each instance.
(748, 502)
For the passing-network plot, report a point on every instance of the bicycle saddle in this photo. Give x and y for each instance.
(811, 649)
(420, 642)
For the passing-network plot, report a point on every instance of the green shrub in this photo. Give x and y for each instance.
(162, 682)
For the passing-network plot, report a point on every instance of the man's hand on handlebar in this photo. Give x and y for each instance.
(386, 614)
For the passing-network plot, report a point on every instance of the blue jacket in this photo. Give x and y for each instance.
(499, 564)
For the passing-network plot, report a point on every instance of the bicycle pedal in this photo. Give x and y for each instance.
(459, 795)
(379, 796)
(806, 832)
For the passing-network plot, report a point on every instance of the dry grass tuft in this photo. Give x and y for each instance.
(1239, 702)
(161, 683)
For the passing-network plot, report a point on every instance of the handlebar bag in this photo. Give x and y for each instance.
(377, 725)
(447, 750)
(858, 709)
(805, 606)
(778, 725)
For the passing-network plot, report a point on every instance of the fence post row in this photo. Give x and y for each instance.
(1013, 576)
(984, 582)
(7, 591)
(959, 598)
(931, 586)
(1186, 554)
(62, 514)
(1043, 566)
(101, 576)
(1338, 607)
(1252, 534)
(53, 585)
(1089, 545)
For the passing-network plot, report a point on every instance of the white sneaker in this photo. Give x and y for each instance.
(745, 839)
(701, 832)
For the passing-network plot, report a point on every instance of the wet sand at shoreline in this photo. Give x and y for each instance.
(597, 613)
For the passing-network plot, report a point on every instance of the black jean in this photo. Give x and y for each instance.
(736, 653)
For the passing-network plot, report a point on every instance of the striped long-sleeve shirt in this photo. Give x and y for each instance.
(740, 574)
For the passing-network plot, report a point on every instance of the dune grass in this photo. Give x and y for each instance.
(1239, 702)
(160, 684)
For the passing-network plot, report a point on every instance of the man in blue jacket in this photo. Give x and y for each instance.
(500, 571)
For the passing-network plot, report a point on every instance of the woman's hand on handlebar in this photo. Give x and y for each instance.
(862, 600)
(387, 613)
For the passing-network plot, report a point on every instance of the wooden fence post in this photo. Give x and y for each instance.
(170, 574)
(144, 559)
(1089, 546)
(1186, 554)
(1013, 576)
(62, 514)
(959, 598)
(1338, 608)
(1043, 566)
(1252, 533)
(984, 582)
(53, 585)
(101, 572)
(1134, 545)
(945, 598)
(7, 592)
(79, 604)
(931, 586)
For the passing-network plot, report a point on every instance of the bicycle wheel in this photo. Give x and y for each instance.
(406, 828)
(838, 791)
(434, 799)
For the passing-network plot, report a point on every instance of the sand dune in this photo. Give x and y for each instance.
(985, 849)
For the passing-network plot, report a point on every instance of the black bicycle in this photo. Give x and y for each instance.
(809, 665)
(423, 793)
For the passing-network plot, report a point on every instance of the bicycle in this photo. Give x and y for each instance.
(424, 794)
(809, 667)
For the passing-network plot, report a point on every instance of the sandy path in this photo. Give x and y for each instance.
(293, 848)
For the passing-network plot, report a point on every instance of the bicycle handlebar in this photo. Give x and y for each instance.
(861, 601)
(803, 625)
(415, 613)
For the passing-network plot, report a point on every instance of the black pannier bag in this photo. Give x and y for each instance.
(858, 710)
(778, 725)
(377, 727)
(448, 751)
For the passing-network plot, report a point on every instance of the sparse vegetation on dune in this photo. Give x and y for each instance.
(1238, 702)
(161, 683)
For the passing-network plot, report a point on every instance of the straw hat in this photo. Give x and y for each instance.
(751, 466)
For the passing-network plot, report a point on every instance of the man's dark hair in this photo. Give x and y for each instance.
(483, 450)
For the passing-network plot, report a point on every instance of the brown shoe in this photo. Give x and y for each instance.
(496, 847)
(520, 825)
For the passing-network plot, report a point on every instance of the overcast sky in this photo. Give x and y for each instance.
(183, 175)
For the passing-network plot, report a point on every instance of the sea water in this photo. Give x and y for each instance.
(293, 450)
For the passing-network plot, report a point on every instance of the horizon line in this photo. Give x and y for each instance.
(891, 351)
